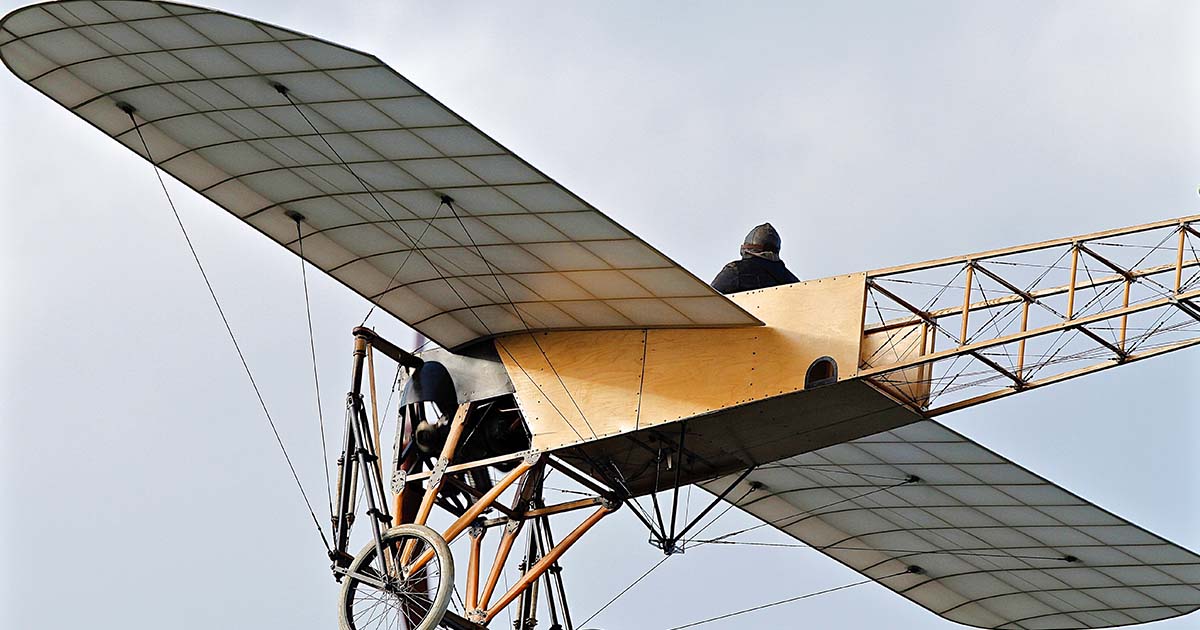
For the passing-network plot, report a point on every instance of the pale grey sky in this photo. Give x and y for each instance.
(141, 486)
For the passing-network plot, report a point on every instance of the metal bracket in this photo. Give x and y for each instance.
(439, 469)
(399, 479)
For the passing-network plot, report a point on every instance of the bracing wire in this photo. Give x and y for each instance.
(396, 274)
(783, 601)
(312, 349)
(626, 590)
(228, 328)
(415, 243)
(732, 504)
(664, 559)
(745, 610)
(492, 269)
(416, 248)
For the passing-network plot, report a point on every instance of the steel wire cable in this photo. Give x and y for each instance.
(785, 601)
(665, 557)
(388, 287)
(312, 350)
(520, 317)
(228, 328)
(626, 589)
(416, 247)
(415, 243)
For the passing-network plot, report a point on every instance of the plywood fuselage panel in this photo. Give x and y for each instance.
(576, 387)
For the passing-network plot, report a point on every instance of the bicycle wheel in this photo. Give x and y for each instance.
(412, 597)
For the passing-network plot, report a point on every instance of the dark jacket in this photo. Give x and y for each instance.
(752, 272)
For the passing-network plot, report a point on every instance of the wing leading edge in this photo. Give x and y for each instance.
(972, 536)
(402, 200)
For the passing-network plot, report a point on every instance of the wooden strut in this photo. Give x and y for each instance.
(998, 302)
(1021, 345)
(1071, 289)
(473, 568)
(1028, 334)
(529, 471)
(1179, 258)
(374, 406)
(468, 517)
(541, 566)
(447, 455)
(1125, 318)
(924, 371)
(966, 307)
(1073, 319)
(436, 482)
(506, 543)
(530, 486)
(1033, 247)
(478, 599)
(1058, 378)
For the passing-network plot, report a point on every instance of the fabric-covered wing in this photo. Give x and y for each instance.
(512, 251)
(970, 535)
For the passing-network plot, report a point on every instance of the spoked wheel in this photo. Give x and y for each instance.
(408, 590)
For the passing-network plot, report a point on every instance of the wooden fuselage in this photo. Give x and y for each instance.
(734, 397)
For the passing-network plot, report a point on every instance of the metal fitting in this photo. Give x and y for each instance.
(399, 479)
(439, 469)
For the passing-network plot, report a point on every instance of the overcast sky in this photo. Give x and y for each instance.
(141, 486)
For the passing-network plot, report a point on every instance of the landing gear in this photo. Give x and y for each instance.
(408, 588)
(404, 578)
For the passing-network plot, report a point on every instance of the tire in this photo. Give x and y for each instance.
(416, 602)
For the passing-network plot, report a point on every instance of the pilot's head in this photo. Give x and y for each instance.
(761, 240)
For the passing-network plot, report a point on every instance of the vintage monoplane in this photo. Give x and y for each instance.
(570, 347)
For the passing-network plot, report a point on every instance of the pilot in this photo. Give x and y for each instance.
(760, 266)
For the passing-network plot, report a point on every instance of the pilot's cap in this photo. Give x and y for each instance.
(763, 238)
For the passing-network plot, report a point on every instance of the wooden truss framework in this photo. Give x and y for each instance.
(416, 492)
(952, 333)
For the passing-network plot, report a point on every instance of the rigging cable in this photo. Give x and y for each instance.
(626, 589)
(786, 601)
(128, 109)
(388, 287)
(312, 349)
(664, 558)
(492, 269)
(445, 201)
(415, 243)
(282, 90)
